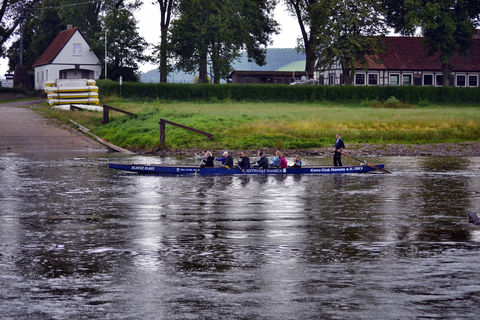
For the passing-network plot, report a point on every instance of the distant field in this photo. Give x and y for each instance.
(279, 125)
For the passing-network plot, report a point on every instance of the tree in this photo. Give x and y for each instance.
(11, 14)
(42, 24)
(301, 9)
(167, 8)
(45, 19)
(447, 25)
(218, 31)
(124, 45)
(87, 14)
(347, 33)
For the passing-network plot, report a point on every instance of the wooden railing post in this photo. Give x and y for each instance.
(163, 122)
(162, 132)
(106, 111)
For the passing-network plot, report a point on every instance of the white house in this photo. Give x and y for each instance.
(69, 56)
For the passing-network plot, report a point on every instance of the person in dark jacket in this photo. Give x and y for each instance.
(337, 156)
(262, 163)
(244, 162)
(228, 164)
(208, 161)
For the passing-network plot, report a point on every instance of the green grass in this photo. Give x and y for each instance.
(237, 125)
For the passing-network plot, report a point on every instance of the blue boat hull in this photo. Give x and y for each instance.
(185, 170)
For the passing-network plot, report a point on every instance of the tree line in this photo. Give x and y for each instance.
(196, 35)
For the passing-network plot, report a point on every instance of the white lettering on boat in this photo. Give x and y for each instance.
(143, 168)
(260, 171)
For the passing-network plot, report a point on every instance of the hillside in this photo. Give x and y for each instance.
(277, 59)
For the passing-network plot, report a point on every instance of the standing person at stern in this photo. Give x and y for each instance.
(337, 156)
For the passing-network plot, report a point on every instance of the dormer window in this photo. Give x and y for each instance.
(77, 49)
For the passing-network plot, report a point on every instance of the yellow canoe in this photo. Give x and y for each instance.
(70, 95)
(72, 89)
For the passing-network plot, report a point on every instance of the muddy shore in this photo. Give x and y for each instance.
(438, 149)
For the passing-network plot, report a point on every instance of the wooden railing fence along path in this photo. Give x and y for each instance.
(163, 122)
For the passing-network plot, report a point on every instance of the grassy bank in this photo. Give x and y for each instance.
(237, 125)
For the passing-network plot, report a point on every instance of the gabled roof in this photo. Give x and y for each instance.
(409, 53)
(56, 46)
(266, 73)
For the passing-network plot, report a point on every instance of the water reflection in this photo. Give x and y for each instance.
(79, 240)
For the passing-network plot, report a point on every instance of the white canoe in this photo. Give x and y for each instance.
(70, 101)
(67, 107)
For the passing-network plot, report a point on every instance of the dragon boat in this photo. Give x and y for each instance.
(192, 170)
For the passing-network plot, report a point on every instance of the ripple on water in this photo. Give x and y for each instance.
(78, 240)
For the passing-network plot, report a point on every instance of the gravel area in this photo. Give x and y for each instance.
(437, 149)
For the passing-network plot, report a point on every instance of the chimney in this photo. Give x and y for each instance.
(69, 27)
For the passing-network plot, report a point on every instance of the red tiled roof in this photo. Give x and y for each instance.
(409, 53)
(55, 47)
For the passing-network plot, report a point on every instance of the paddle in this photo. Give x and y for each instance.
(365, 162)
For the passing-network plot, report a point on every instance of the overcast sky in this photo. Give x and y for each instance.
(148, 17)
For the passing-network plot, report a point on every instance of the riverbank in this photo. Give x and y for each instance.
(437, 149)
(295, 127)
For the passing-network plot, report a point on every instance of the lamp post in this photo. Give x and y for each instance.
(105, 54)
(22, 18)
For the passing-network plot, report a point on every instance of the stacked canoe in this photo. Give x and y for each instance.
(71, 91)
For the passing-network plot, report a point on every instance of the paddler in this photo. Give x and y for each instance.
(228, 164)
(262, 163)
(337, 156)
(244, 162)
(207, 162)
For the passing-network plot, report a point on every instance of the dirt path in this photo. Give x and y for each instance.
(25, 132)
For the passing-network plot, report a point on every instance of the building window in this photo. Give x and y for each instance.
(394, 79)
(77, 49)
(439, 79)
(427, 79)
(372, 79)
(472, 81)
(407, 80)
(461, 80)
(417, 80)
(331, 79)
(360, 79)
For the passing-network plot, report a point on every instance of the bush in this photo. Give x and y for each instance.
(12, 93)
(287, 93)
(13, 90)
(21, 78)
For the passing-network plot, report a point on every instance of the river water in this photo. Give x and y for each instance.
(81, 241)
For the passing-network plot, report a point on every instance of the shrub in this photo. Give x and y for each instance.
(287, 93)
